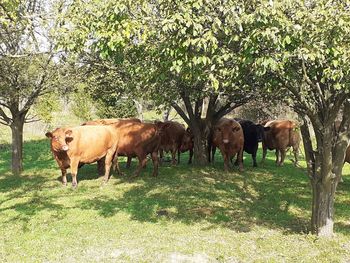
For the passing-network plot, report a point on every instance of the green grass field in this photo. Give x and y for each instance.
(187, 214)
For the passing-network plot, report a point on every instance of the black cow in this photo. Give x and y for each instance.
(253, 134)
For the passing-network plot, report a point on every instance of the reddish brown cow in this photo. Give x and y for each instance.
(113, 121)
(171, 139)
(138, 139)
(228, 136)
(109, 121)
(281, 135)
(73, 147)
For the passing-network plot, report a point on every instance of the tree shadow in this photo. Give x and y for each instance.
(234, 200)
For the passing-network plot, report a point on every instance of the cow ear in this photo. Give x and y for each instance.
(49, 135)
(69, 133)
(267, 128)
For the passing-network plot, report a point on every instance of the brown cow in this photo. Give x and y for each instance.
(113, 121)
(73, 147)
(109, 121)
(187, 144)
(282, 134)
(228, 136)
(138, 139)
(171, 139)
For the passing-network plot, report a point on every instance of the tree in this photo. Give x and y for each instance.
(182, 52)
(302, 47)
(26, 67)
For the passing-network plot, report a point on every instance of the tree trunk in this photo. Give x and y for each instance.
(17, 144)
(139, 109)
(324, 170)
(323, 207)
(200, 150)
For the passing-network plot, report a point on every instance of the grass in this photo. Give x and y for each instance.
(187, 214)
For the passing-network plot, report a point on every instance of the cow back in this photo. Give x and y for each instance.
(282, 134)
(137, 138)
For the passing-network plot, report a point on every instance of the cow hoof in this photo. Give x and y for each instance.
(74, 186)
(64, 184)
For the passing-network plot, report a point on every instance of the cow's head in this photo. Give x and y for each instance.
(225, 132)
(187, 141)
(59, 139)
(260, 129)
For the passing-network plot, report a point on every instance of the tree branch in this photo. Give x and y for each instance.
(4, 117)
(181, 112)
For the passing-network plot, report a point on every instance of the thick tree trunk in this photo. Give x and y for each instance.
(200, 150)
(324, 169)
(17, 144)
(323, 207)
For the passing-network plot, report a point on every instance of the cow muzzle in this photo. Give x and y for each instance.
(65, 148)
(225, 141)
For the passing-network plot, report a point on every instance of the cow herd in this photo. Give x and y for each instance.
(103, 140)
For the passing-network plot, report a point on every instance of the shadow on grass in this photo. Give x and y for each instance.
(271, 196)
(275, 197)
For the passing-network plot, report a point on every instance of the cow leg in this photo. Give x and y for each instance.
(101, 166)
(74, 170)
(277, 156)
(64, 176)
(264, 153)
(283, 155)
(295, 152)
(226, 160)
(178, 155)
(190, 158)
(142, 163)
(128, 162)
(161, 156)
(108, 165)
(240, 159)
(213, 150)
(255, 164)
(116, 165)
(155, 163)
(226, 163)
(173, 157)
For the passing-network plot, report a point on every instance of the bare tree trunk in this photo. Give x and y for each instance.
(324, 169)
(139, 109)
(17, 144)
(166, 114)
(323, 207)
(200, 149)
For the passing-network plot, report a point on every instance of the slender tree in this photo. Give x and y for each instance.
(302, 47)
(26, 66)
